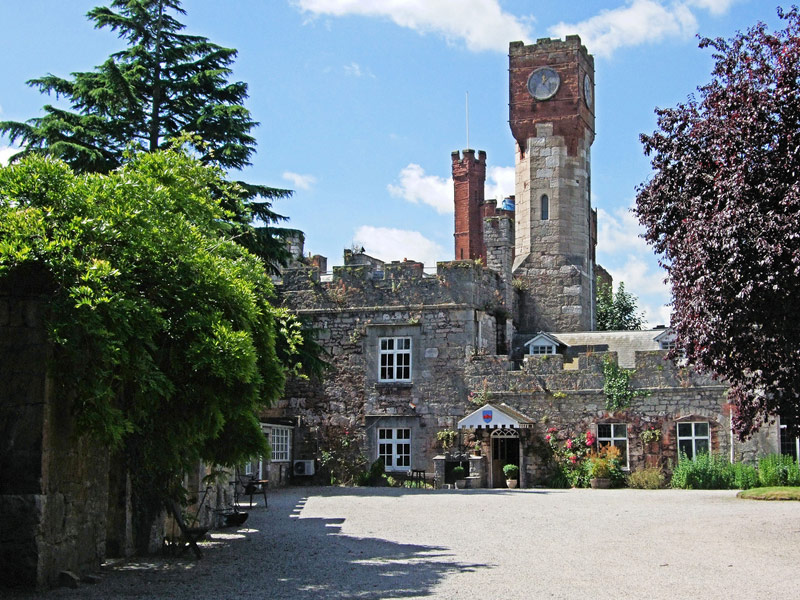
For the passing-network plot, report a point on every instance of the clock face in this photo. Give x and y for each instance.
(587, 90)
(543, 83)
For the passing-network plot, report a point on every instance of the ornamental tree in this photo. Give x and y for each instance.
(163, 84)
(165, 341)
(721, 210)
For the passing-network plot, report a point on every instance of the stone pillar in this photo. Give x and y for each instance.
(477, 472)
(439, 470)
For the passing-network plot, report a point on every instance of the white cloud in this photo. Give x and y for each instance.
(355, 70)
(715, 7)
(301, 182)
(499, 183)
(396, 244)
(417, 187)
(480, 24)
(7, 152)
(636, 23)
(626, 256)
(620, 232)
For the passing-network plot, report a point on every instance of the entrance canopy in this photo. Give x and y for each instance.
(493, 416)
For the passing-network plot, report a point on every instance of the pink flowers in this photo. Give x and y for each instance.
(552, 430)
(590, 439)
(573, 459)
(547, 437)
(568, 443)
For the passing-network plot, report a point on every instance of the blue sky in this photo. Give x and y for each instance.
(362, 101)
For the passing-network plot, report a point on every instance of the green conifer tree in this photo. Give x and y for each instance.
(163, 84)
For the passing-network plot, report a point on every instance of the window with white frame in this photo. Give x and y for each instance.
(614, 434)
(693, 439)
(394, 447)
(668, 344)
(394, 359)
(281, 443)
(541, 349)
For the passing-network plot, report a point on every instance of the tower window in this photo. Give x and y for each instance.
(545, 207)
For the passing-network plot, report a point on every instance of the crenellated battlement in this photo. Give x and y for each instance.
(467, 283)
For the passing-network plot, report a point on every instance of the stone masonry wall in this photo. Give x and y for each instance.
(53, 483)
(572, 401)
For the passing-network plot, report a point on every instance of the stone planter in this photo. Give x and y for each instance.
(600, 483)
(511, 483)
(460, 484)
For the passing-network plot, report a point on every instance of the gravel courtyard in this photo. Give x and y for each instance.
(489, 544)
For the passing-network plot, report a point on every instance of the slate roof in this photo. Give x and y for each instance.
(624, 343)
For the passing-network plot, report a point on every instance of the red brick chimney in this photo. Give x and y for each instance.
(469, 177)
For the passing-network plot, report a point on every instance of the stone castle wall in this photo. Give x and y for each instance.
(569, 397)
(53, 483)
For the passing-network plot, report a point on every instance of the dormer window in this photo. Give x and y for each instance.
(542, 344)
(666, 340)
(541, 349)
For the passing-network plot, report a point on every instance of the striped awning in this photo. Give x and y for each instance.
(492, 416)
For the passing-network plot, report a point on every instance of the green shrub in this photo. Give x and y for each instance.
(459, 472)
(705, 472)
(650, 478)
(744, 476)
(714, 472)
(558, 480)
(778, 470)
(511, 471)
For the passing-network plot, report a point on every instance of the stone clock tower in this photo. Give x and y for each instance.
(551, 92)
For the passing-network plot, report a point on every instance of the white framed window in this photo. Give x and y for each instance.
(541, 349)
(693, 439)
(614, 434)
(254, 468)
(281, 442)
(394, 447)
(394, 359)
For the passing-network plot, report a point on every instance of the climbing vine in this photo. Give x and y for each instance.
(617, 386)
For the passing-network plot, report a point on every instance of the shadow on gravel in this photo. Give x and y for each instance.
(330, 565)
(278, 555)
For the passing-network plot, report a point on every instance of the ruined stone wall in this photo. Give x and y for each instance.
(53, 483)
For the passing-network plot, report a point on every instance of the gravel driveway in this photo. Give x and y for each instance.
(487, 544)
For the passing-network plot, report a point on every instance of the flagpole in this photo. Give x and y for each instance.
(467, 106)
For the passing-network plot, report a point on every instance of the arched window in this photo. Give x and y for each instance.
(545, 207)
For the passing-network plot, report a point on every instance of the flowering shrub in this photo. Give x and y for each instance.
(569, 453)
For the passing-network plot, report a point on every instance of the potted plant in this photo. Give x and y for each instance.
(460, 476)
(512, 473)
(476, 447)
(599, 472)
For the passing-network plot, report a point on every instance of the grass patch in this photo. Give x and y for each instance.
(771, 493)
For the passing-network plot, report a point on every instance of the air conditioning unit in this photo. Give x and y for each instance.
(303, 467)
